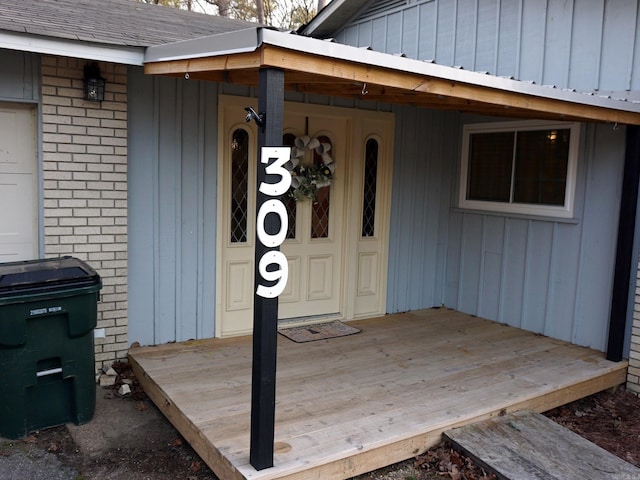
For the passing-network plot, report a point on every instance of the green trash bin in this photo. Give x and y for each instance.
(48, 310)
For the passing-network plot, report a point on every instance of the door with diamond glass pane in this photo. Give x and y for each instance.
(314, 245)
(338, 214)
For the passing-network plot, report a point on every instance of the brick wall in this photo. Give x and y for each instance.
(84, 152)
(633, 376)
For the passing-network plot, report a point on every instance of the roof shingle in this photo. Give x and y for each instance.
(111, 22)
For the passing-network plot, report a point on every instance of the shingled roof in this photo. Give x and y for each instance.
(122, 23)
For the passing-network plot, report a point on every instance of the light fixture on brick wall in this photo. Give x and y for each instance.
(93, 83)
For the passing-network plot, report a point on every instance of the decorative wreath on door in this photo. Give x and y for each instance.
(308, 177)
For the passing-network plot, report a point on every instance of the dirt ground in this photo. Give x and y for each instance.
(610, 419)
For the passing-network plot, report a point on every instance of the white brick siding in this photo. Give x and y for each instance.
(84, 153)
(633, 374)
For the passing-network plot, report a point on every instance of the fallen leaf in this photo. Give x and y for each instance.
(456, 459)
(455, 473)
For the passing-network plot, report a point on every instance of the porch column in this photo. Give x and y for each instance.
(625, 262)
(265, 310)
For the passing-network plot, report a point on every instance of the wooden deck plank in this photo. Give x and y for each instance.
(349, 405)
(528, 446)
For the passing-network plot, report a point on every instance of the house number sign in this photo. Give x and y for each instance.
(273, 206)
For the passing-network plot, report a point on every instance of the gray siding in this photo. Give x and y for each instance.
(422, 180)
(543, 275)
(20, 76)
(551, 42)
(172, 208)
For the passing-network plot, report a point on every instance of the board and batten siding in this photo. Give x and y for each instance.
(427, 148)
(20, 78)
(544, 275)
(172, 208)
(587, 45)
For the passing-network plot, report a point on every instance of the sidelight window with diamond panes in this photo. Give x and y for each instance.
(369, 189)
(239, 185)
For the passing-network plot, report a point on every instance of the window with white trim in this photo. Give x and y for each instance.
(527, 168)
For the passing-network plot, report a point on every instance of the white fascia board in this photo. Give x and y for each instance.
(239, 41)
(70, 48)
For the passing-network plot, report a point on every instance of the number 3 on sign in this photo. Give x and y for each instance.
(274, 206)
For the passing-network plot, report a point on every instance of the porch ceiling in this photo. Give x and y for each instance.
(320, 67)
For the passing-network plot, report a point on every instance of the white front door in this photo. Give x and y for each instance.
(315, 243)
(18, 183)
(337, 266)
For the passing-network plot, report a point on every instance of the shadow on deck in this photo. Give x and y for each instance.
(354, 404)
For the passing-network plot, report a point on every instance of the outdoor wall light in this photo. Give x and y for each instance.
(253, 115)
(93, 83)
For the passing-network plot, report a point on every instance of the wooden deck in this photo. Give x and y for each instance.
(353, 404)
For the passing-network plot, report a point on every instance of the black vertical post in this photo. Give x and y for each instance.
(265, 310)
(624, 251)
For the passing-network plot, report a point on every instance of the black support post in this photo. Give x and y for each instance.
(265, 311)
(624, 250)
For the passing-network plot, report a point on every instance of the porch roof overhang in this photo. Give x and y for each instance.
(327, 68)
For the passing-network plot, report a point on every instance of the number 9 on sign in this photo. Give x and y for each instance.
(281, 274)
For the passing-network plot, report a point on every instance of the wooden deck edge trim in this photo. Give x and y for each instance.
(361, 463)
(570, 393)
(211, 456)
(413, 446)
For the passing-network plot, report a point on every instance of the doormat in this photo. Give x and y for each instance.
(319, 331)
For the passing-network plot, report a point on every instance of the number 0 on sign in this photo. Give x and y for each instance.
(272, 241)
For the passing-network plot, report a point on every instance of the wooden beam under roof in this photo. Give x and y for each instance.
(331, 76)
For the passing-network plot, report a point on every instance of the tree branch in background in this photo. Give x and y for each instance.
(285, 14)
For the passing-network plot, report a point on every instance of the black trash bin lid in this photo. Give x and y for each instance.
(45, 275)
